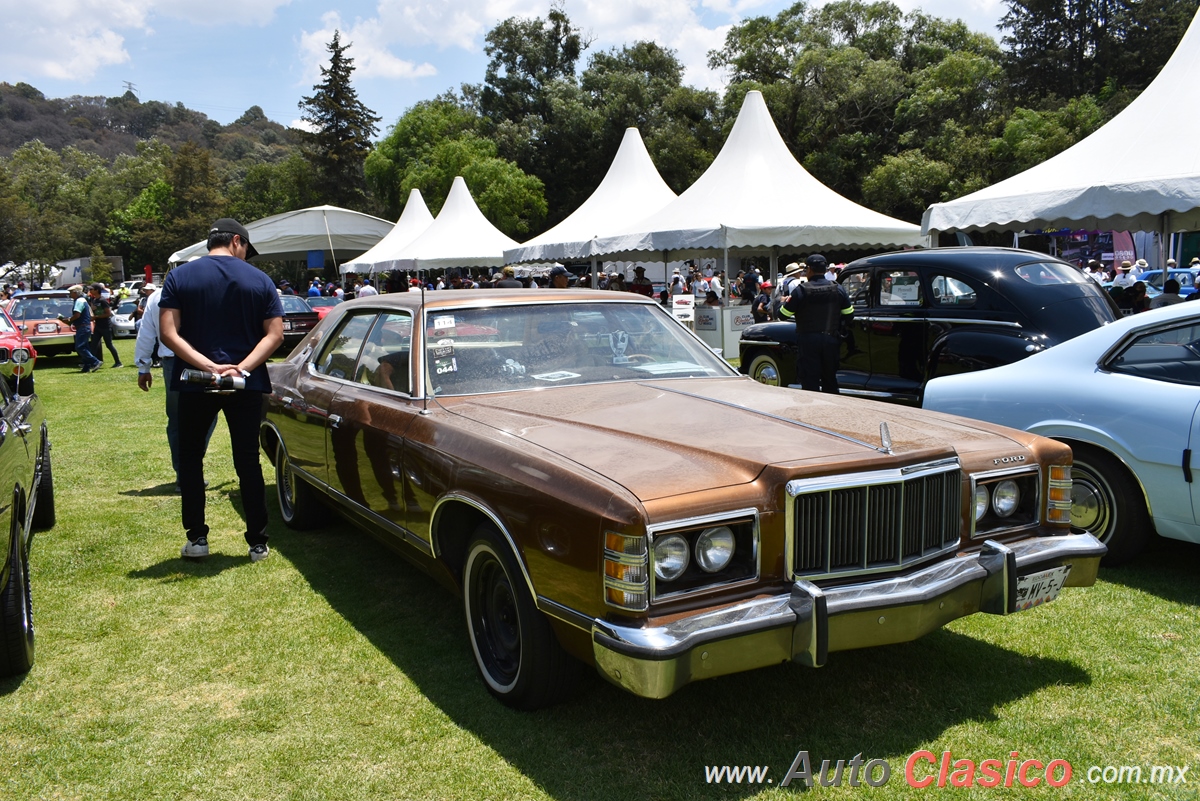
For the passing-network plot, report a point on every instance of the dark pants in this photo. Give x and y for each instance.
(817, 361)
(243, 413)
(86, 358)
(173, 418)
(102, 330)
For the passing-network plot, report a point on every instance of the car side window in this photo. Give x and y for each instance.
(900, 288)
(949, 291)
(858, 287)
(338, 356)
(1171, 355)
(384, 361)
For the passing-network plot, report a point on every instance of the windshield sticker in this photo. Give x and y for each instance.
(558, 375)
(443, 322)
(445, 365)
(442, 349)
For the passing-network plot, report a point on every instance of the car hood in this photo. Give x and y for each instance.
(663, 438)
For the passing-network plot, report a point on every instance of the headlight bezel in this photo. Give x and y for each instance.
(742, 568)
(1027, 512)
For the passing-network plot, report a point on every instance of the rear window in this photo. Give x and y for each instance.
(1050, 273)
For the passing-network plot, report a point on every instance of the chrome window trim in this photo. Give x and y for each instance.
(309, 353)
(690, 524)
(797, 487)
(1009, 471)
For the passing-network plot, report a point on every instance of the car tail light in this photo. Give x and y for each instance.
(1058, 505)
(626, 580)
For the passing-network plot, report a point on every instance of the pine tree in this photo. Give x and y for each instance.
(342, 128)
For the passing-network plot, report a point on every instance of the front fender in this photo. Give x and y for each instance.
(965, 351)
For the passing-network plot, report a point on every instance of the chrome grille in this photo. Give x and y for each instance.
(878, 522)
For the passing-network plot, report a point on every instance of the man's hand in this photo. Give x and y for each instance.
(145, 381)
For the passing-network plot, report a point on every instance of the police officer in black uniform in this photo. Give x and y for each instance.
(818, 307)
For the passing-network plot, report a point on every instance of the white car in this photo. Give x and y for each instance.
(123, 322)
(1126, 398)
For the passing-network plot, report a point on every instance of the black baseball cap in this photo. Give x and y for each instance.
(228, 225)
(817, 262)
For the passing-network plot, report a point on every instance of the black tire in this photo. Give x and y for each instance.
(1107, 501)
(765, 370)
(299, 505)
(518, 656)
(16, 613)
(43, 511)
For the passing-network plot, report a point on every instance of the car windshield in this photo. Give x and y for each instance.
(505, 348)
(127, 306)
(41, 308)
(294, 304)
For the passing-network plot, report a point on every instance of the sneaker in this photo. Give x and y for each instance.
(99, 365)
(156, 365)
(195, 550)
(118, 364)
(259, 552)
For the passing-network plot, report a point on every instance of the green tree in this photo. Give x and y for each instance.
(1030, 137)
(100, 266)
(525, 57)
(342, 127)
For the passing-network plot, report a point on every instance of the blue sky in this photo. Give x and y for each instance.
(223, 56)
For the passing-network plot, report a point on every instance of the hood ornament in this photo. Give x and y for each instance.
(885, 439)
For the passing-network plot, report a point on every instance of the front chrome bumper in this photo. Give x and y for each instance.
(809, 623)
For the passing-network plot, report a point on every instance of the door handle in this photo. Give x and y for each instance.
(335, 420)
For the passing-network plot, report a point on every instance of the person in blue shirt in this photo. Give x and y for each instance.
(221, 315)
(81, 320)
(314, 289)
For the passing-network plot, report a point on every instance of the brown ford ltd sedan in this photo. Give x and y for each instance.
(600, 488)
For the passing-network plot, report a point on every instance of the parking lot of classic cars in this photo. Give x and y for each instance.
(511, 443)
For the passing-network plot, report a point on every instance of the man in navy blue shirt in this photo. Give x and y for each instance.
(221, 315)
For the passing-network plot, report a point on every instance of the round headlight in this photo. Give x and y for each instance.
(982, 499)
(714, 549)
(1006, 497)
(20, 355)
(670, 557)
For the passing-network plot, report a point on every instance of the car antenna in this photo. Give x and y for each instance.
(425, 394)
(885, 439)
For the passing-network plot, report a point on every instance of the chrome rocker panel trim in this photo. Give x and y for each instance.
(810, 622)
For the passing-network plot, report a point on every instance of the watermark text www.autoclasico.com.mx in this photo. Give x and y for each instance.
(927, 769)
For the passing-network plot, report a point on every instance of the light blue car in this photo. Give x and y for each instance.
(1126, 398)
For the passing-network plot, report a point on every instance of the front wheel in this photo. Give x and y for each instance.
(1106, 500)
(765, 370)
(518, 656)
(299, 505)
(16, 614)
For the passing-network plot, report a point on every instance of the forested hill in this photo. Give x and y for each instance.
(111, 126)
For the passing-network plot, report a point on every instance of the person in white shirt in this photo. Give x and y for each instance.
(367, 289)
(1124, 278)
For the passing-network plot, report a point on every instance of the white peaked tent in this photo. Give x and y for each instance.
(293, 234)
(755, 195)
(460, 237)
(631, 190)
(1140, 171)
(413, 222)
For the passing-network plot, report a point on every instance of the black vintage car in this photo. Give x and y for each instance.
(28, 507)
(919, 314)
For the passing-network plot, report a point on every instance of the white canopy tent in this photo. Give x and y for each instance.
(1140, 171)
(292, 235)
(631, 190)
(413, 222)
(755, 195)
(460, 236)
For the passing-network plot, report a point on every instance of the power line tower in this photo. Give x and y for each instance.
(130, 87)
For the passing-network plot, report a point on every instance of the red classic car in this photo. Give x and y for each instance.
(36, 313)
(538, 453)
(17, 356)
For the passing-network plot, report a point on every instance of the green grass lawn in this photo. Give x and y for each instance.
(335, 670)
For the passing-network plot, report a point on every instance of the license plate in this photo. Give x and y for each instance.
(287, 325)
(47, 328)
(1041, 588)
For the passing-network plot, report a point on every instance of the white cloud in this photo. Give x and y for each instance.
(73, 39)
(370, 48)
